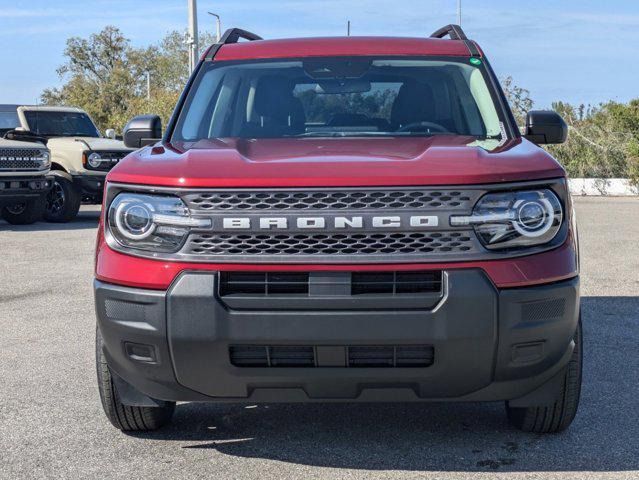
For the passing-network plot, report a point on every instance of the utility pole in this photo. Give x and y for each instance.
(459, 13)
(218, 27)
(192, 40)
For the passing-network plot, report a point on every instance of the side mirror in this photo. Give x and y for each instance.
(143, 130)
(545, 127)
(110, 133)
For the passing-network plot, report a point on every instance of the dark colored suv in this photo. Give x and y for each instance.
(339, 219)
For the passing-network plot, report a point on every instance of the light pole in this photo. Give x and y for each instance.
(459, 13)
(218, 27)
(192, 39)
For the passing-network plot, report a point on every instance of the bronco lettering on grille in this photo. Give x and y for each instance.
(319, 223)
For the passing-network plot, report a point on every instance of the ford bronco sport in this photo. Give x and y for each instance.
(339, 219)
(81, 157)
(24, 167)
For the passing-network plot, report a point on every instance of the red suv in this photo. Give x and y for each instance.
(339, 219)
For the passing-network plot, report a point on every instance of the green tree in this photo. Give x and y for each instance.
(104, 75)
(518, 98)
(602, 141)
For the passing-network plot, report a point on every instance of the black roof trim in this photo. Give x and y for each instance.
(232, 35)
(455, 32)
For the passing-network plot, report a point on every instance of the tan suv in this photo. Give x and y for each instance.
(80, 156)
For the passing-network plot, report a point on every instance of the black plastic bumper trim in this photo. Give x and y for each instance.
(476, 332)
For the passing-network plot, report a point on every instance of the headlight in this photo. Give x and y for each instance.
(515, 219)
(45, 159)
(151, 222)
(94, 159)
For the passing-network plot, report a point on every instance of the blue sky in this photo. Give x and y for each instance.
(582, 51)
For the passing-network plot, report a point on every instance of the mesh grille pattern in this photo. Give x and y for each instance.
(325, 244)
(535, 311)
(20, 159)
(329, 200)
(119, 310)
(117, 155)
(20, 164)
(20, 152)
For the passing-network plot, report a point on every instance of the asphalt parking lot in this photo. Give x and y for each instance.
(51, 423)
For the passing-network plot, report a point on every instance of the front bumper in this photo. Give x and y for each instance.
(20, 189)
(488, 344)
(90, 185)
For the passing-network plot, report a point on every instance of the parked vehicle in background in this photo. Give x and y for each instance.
(24, 167)
(340, 219)
(80, 156)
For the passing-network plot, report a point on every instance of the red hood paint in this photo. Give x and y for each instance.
(334, 162)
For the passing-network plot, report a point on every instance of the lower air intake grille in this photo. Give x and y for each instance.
(387, 356)
(395, 282)
(264, 356)
(263, 283)
(391, 356)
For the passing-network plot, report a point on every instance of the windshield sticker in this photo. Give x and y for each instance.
(504, 136)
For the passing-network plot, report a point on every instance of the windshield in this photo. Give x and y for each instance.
(8, 121)
(60, 124)
(339, 96)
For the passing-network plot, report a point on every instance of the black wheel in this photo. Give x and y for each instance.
(558, 416)
(24, 213)
(63, 201)
(125, 417)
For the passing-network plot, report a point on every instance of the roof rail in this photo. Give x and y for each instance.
(455, 32)
(232, 35)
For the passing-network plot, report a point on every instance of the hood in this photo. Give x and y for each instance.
(4, 143)
(81, 143)
(332, 162)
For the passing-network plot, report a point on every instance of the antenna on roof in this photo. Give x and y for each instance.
(348, 28)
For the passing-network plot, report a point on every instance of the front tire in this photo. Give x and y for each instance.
(125, 417)
(63, 201)
(558, 416)
(24, 213)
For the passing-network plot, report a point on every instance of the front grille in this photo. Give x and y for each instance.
(304, 356)
(109, 160)
(395, 283)
(20, 159)
(391, 356)
(263, 283)
(331, 226)
(116, 155)
(286, 245)
(382, 199)
(266, 356)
